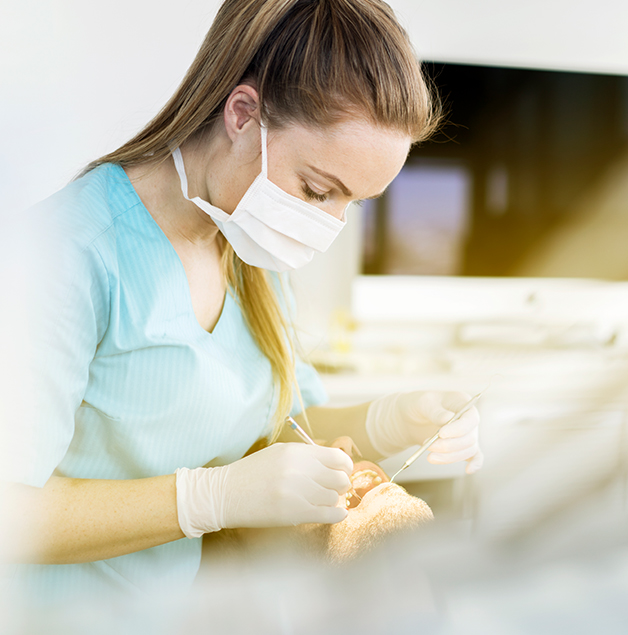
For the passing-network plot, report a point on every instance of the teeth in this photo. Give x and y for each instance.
(366, 472)
(378, 479)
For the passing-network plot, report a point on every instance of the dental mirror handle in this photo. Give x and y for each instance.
(417, 454)
(300, 431)
(434, 438)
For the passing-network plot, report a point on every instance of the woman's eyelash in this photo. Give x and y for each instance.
(313, 195)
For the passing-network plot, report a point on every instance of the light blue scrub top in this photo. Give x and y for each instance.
(127, 383)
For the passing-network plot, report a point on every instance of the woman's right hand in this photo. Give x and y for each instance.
(284, 484)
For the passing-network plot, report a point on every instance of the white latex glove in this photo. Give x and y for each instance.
(284, 484)
(400, 420)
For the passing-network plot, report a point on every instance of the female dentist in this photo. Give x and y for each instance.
(159, 345)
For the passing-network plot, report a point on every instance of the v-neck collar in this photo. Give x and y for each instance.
(185, 284)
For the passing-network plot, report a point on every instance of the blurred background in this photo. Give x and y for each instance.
(498, 256)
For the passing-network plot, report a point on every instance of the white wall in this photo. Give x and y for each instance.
(78, 78)
(582, 35)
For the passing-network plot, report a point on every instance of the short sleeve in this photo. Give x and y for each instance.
(56, 302)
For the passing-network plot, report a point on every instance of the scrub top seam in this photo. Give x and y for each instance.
(109, 287)
(91, 245)
(86, 248)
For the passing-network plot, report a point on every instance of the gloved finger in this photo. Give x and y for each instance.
(317, 495)
(432, 408)
(332, 458)
(453, 457)
(475, 463)
(327, 515)
(444, 446)
(347, 445)
(467, 423)
(336, 480)
(454, 400)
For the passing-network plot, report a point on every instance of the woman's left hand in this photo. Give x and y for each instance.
(401, 420)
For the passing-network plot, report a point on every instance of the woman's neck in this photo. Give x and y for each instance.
(181, 220)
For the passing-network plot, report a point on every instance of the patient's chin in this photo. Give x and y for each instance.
(391, 507)
(385, 509)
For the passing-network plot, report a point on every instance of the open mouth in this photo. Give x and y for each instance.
(366, 476)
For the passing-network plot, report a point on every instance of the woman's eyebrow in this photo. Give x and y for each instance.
(334, 179)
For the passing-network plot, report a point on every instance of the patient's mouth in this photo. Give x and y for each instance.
(366, 476)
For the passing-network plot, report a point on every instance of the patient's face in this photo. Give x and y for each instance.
(376, 507)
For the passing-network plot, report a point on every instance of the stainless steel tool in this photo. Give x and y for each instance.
(431, 440)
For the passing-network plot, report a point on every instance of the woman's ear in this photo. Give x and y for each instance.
(241, 111)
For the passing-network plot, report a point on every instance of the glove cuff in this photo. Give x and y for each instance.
(383, 427)
(201, 499)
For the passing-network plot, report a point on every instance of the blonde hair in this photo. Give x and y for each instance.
(314, 63)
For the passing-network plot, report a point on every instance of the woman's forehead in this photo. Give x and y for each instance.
(364, 157)
(349, 132)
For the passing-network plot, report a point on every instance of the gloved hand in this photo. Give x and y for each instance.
(401, 420)
(284, 484)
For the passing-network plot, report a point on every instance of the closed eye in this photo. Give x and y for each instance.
(313, 196)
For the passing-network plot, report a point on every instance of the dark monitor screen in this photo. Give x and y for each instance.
(521, 175)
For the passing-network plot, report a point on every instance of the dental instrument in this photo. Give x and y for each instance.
(431, 440)
(306, 437)
(299, 430)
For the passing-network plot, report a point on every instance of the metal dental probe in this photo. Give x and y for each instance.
(306, 437)
(431, 440)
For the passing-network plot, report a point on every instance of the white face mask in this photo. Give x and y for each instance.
(269, 228)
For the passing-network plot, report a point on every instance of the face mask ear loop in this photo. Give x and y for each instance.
(178, 164)
(264, 150)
